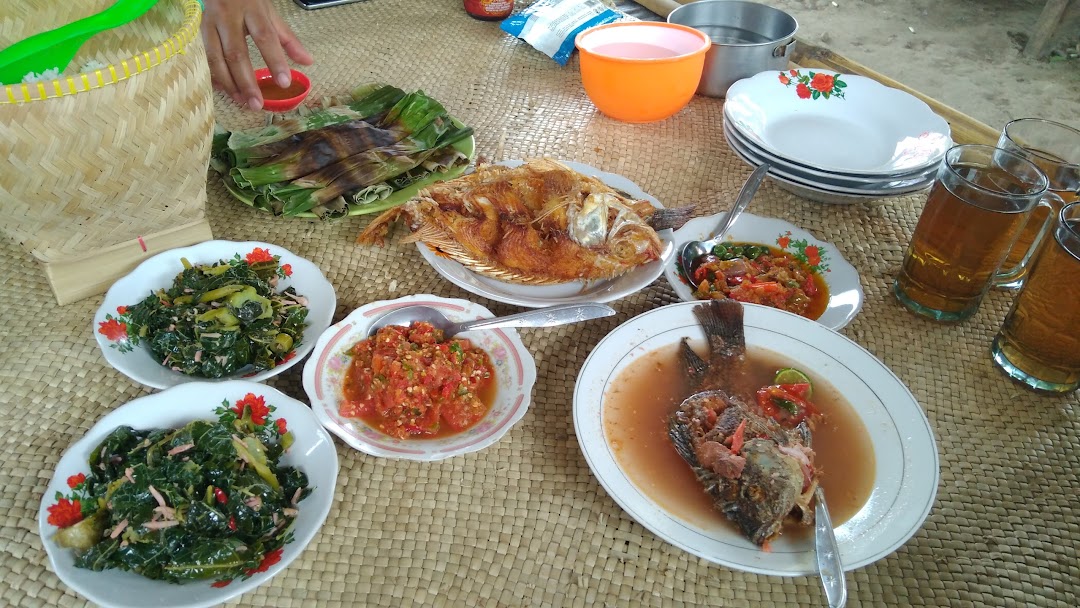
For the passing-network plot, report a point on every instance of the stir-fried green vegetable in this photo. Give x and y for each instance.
(343, 157)
(216, 320)
(209, 500)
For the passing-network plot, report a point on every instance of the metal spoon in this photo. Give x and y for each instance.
(693, 250)
(541, 317)
(830, 567)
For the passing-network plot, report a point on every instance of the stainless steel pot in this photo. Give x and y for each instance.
(747, 38)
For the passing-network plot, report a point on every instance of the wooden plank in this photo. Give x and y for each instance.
(74, 280)
(1049, 20)
(965, 129)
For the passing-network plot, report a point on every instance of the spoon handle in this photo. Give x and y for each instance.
(543, 317)
(746, 194)
(828, 554)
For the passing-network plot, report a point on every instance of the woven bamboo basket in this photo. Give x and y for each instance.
(104, 167)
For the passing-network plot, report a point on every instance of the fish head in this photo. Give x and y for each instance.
(769, 489)
(588, 223)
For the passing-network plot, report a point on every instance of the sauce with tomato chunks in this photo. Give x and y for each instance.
(411, 382)
(760, 274)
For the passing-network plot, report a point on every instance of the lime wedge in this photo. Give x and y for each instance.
(790, 375)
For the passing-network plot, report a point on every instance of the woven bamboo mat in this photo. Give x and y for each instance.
(524, 522)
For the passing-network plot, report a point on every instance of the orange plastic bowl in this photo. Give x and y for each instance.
(277, 99)
(639, 71)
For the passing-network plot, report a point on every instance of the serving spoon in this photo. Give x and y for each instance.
(830, 567)
(54, 49)
(693, 250)
(540, 317)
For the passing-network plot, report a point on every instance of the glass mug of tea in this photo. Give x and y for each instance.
(980, 201)
(1039, 342)
(1054, 148)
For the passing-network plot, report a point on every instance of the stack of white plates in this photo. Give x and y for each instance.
(836, 138)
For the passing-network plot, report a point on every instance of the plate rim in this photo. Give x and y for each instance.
(838, 261)
(470, 281)
(76, 453)
(933, 120)
(357, 318)
(131, 282)
(910, 407)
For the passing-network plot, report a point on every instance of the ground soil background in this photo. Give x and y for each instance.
(965, 53)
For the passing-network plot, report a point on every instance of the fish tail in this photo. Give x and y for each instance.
(671, 218)
(376, 231)
(722, 321)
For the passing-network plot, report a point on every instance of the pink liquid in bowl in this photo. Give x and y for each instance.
(634, 50)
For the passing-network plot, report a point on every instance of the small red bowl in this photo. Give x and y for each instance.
(277, 99)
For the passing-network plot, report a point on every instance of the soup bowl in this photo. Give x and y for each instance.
(641, 71)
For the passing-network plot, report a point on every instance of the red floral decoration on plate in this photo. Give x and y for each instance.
(65, 513)
(258, 255)
(814, 85)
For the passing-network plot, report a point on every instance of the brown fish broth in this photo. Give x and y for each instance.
(642, 396)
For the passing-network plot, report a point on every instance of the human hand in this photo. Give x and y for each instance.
(226, 24)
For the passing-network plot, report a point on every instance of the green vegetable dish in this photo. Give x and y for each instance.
(216, 320)
(208, 501)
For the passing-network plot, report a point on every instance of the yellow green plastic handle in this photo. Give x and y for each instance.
(56, 48)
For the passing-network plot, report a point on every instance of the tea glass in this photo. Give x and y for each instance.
(1054, 148)
(980, 201)
(1039, 342)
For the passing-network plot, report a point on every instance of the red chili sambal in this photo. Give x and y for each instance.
(411, 382)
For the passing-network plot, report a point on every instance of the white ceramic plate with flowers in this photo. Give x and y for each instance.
(837, 122)
(240, 564)
(290, 282)
(326, 370)
(845, 292)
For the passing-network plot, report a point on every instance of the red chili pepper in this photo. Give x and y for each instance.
(784, 407)
(767, 287)
(699, 274)
(232, 523)
(220, 496)
(810, 287)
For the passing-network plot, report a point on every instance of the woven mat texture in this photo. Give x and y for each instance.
(524, 522)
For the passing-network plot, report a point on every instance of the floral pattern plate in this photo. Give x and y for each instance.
(538, 296)
(324, 373)
(312, 452)
(845, 290)
(139, 363)
(836, 122)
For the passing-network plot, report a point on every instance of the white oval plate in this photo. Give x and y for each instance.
(158, 272)
(905, 452)
(537, 296)
(825, 177)
(879, 189)
(515, 374)
(845, 289)
(813, 193)
(313, 452)
(862, 128)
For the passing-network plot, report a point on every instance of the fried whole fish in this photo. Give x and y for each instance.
(757, 472)
(540, 223)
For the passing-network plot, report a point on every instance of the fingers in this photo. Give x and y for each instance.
(225, 28)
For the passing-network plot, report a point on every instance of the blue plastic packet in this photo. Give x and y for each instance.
(550, 26)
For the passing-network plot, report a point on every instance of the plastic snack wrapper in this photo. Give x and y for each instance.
(550, 26)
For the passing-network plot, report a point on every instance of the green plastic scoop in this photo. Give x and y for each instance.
(56, 48)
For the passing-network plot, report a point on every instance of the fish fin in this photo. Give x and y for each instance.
(679, 432)
(694, 365)
(671, 218)
(803, 431)
(722, 321)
